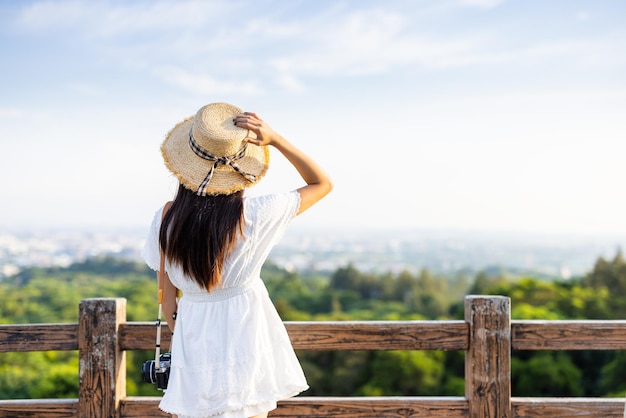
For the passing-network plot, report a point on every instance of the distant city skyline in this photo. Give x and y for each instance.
(470, 115)
(311, 251)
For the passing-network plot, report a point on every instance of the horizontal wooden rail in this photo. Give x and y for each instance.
(567, 407)
(568, 335)
(337, 335)
(49, 408)
(379, 335)
(38, 337)
(450, 407)
(371, 407)
(354, 407)
(369, 335)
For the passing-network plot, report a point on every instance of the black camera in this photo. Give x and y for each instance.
(159, 376)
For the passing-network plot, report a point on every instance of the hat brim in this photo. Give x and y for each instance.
(191, 170)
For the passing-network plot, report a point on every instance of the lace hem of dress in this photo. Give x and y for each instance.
(266, 404)
(246, 387)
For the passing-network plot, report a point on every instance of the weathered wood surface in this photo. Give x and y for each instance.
(336, 335)
(568, 407)
(52, 408)
(141, 407)
(147, 406)
(378, 335)
(569, 335)
(102, 365)
(488, 359)
(142, 336)
(372, 407)
(433, 335)
(38, 337)
(357, 407)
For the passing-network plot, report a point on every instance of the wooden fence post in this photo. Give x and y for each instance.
(488, 359)
(102, 365)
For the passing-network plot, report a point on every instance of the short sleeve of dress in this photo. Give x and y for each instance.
(271, 215)
(151, 252)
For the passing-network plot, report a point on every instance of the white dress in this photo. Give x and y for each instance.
(231, 355)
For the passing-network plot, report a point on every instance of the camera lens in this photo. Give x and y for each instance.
(148, 372)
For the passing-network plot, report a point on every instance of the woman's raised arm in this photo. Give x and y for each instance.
(318, 183)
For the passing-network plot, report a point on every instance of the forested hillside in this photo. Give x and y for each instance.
(52, 295)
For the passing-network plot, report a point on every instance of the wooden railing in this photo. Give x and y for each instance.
(487, 335)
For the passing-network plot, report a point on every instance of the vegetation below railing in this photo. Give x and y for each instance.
(52, 295)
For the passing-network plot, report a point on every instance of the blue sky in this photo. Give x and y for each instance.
(486, 115)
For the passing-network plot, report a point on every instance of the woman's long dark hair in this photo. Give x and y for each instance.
(198, 232)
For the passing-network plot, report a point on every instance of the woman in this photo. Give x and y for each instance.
(231, 355)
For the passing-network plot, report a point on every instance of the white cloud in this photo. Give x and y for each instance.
(290, 82)
(11, 113)
(112, 19)
(202, 84)
(269, 49)
(533, 54)
(365, 42)
(378, 42)
(48, 14)
(582, 15)
(331, 42)
(86, 89)
(484, 4)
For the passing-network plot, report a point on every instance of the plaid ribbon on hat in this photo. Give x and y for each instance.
(226, 160)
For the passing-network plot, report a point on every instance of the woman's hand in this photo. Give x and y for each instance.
(318, 184)
(265, 135)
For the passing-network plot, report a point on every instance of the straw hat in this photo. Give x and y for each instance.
(208, 155)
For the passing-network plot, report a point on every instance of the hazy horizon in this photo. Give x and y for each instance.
(306, 249)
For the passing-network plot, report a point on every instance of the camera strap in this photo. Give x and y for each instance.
(160, 279)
